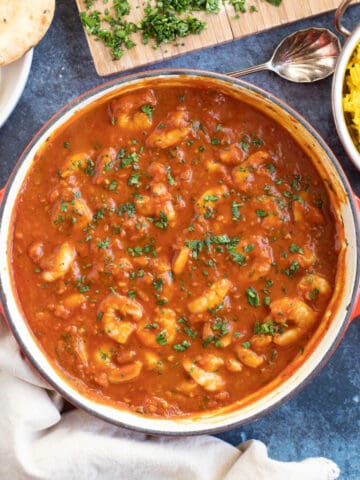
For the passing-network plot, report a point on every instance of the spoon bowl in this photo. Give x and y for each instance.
(303, 57)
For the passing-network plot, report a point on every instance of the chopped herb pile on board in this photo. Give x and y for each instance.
(164, 21)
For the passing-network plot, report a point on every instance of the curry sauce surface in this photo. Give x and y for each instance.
(173, 250)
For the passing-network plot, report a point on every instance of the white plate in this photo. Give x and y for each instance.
(12, 83)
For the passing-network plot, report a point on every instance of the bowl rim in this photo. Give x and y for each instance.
(20, 69)
(98, 92)
(337, 96)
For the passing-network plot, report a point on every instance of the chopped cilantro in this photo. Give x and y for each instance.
(118, 34)
(104, 355)
(158, 284)
(221, 326)
(161, 301)
(267, 328)
(63, 206)
(211, 198)
(261, 213)
(128, 208)
(181, 347)
(257, 141)
(314, 293)
(295, 249)
(216, 309)
(238, 257)
(190, 332)
(244, 145)
(162, 221)
(136, 251)
(148, 110)
(90, 167)
(113, 185)
(126, 160)
(81, 286)
(151, 326)
(104, 243)
(98, 215)
(183, 320)
(236, 215)
(134, 180)
(169, 176)
(252, 297)
(249, 248)
(276, 3)
(267, 301)
(164, 26)
(161, 338)
(165, 21)
(270, 167)
(294, 267)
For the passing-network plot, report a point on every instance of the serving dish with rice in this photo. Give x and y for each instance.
(351, 102)
(346, 88)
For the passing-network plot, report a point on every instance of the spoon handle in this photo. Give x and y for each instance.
(246, 71)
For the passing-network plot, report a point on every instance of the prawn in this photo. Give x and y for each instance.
(255, 166)
(219, 331)
(76, 213)
(104, 162)
(58, 263)
(66, 307)
(160, 331)
(177, 128)
(232, 155)
(258, 255)
(210, 198)
(313, 287)
(212, 297)
(114, 373)
(296, 312)
(129, 112)
(75, 163)
(248, 357)
(180, 260)
(304, 212)
(116, 328)
(209, 380)
(158, 203)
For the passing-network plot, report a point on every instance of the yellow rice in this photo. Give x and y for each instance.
(351, 101)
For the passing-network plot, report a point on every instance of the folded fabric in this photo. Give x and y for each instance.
(38, 442)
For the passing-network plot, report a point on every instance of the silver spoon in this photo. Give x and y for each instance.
(304, 56)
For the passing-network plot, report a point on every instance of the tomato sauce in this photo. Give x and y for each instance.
(173, 250)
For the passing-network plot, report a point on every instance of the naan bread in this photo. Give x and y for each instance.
(23, 23)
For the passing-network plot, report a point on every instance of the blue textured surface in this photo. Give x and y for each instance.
(324, 419)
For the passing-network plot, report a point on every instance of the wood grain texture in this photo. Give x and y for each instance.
(221, 28)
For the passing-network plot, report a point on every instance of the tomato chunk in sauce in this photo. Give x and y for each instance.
(173, 250)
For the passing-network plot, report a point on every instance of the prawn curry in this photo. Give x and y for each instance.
(173, 250)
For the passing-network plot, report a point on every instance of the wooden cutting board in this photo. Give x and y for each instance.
(222, 27)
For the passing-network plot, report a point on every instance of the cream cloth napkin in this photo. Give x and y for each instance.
(38, 442)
